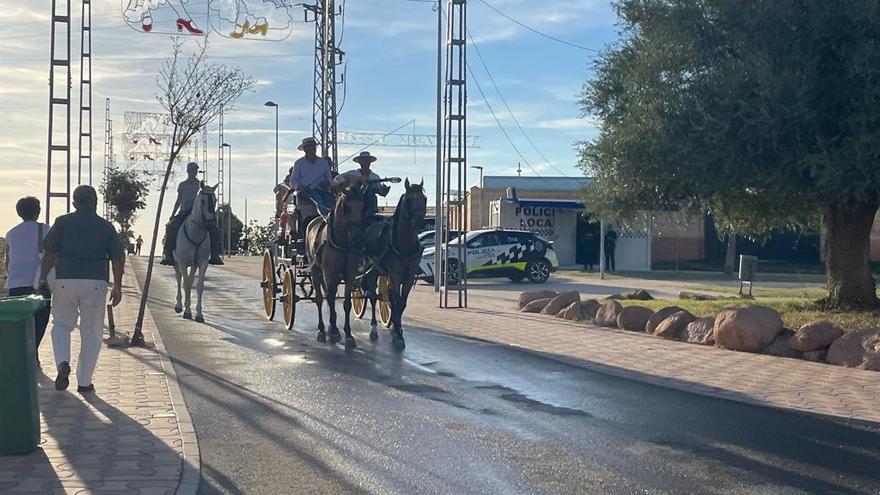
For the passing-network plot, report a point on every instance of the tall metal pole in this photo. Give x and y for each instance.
(276, 145)
(61, 64)
(438, 199)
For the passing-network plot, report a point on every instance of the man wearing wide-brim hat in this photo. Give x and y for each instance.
(187, 191)
(310, 175)
(364, 175)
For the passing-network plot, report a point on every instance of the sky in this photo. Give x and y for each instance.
(390, 48)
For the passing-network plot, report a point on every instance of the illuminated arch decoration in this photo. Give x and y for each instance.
(146, 147)
(265, 20)
(183, 17)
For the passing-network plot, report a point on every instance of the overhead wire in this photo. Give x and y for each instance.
(509, 110)
(537, 31)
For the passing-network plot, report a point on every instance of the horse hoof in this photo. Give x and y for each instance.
(187, 315)
(322, 337)
(178, 309)
(350, 343)
(200, 319)
(399, 344)
(335, 338)
(374, 335)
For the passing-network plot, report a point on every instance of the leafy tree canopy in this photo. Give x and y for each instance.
(764, 112)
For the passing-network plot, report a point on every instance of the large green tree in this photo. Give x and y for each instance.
(764, 112)
(126, 194)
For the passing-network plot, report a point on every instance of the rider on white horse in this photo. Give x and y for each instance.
(186, 196)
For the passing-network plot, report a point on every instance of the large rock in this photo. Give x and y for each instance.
(606, 315)
(747, 328)
(659, 316)
(814, 336)
(860, 349)
(580, 311)
(782, 346)
(701, 331)
(675, 326)
(560, 302)
(634, 318)
(640, 295)
(816, 356)
(536, 306)
(529, 296)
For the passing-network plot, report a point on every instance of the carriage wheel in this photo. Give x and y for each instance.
(269, 284)
(288, 298)
(384, 300)
(358, 300)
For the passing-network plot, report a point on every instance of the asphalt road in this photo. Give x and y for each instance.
(278, 413)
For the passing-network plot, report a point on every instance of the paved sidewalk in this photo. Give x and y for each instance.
(744, 377)
(132, 436)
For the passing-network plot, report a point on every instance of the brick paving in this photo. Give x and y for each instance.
(744, 377)
(132, 436)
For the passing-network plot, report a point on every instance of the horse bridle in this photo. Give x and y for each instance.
(411, 220)
(204, 221)
(348, 223)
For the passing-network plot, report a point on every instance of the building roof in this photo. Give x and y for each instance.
(552, 203)
(526, 183)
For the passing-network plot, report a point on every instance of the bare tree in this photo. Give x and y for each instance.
(193, 92)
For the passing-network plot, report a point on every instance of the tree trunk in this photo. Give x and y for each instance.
(138, 338)
(730, 254)
(847, 253)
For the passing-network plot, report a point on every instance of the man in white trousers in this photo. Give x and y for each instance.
(80, 245)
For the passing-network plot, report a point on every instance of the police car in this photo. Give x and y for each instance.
(515, 254)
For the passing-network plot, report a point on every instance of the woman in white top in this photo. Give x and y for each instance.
(23, 247)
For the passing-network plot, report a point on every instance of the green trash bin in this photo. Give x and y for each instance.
(20, 406)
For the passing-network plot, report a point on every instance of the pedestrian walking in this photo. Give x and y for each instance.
(80, 244)
(137, 245)
(23, 251)
(610, 244)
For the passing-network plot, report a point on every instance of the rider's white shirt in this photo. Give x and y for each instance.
(353, 175)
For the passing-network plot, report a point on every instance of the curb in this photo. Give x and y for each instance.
(659, 381)
(191, 473)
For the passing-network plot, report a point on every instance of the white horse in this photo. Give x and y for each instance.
(193, 250)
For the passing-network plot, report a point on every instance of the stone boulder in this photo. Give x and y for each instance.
(640, 295)
(529, 296)
(634, 318)
(536, 306)
(701, 331)
(659, 316)
(747, 328)
(814, 336)
(606, 315)
(782, 346)
(580, 311)
(816, 356)
(561, 302)
(860, 349)
(675, 326)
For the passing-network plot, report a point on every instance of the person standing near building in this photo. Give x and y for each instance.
(610, 245)
(137, 245)
(80, 244)
(23, 248)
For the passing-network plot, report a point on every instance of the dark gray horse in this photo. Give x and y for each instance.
(335, 248)
(393, 250)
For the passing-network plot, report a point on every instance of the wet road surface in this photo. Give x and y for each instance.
(277, 412)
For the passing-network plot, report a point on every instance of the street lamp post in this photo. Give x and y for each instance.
(229, 204)
(273, 104)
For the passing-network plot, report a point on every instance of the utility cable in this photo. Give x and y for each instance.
(538, 32)
(512, 115)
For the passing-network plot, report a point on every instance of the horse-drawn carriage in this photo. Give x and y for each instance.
(376, 258)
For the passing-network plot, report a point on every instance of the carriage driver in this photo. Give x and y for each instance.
(187, 192)
(310, 175)
(363, 175)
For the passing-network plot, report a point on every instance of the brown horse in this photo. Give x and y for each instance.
(393, 250)
(334, 249)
